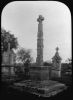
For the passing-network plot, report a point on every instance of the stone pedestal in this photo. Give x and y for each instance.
(39, 73)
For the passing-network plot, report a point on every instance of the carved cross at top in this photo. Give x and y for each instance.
(57, 49)
(40, 19)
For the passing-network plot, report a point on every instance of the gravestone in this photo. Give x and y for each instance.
(56, 65)
(8, 59)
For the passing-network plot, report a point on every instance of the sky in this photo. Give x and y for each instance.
(20, 18)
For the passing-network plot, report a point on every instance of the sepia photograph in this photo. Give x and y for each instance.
(36, 50)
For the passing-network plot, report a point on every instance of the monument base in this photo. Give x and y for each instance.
(39, 73)
(42, 88)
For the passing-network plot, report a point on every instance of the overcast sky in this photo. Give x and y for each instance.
(20, 17)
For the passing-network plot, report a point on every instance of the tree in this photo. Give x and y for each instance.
(24, 56)
(7, 37)
(69, 61)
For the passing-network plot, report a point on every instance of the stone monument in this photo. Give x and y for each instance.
(39, 83)
(39, 59)
(39, 72)
(56, 65)
(8, 59)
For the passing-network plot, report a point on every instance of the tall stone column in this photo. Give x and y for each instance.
(39, 59)
(39, 72)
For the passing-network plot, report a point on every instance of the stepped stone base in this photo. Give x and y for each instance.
(39, 73)
(42, 88)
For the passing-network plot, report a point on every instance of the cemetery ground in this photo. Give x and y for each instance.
(15, 88)
(9, 93)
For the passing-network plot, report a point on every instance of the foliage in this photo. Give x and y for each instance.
(24, 56)
(7, 37)
(69, 60)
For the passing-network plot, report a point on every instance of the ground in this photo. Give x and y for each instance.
(9, 93)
